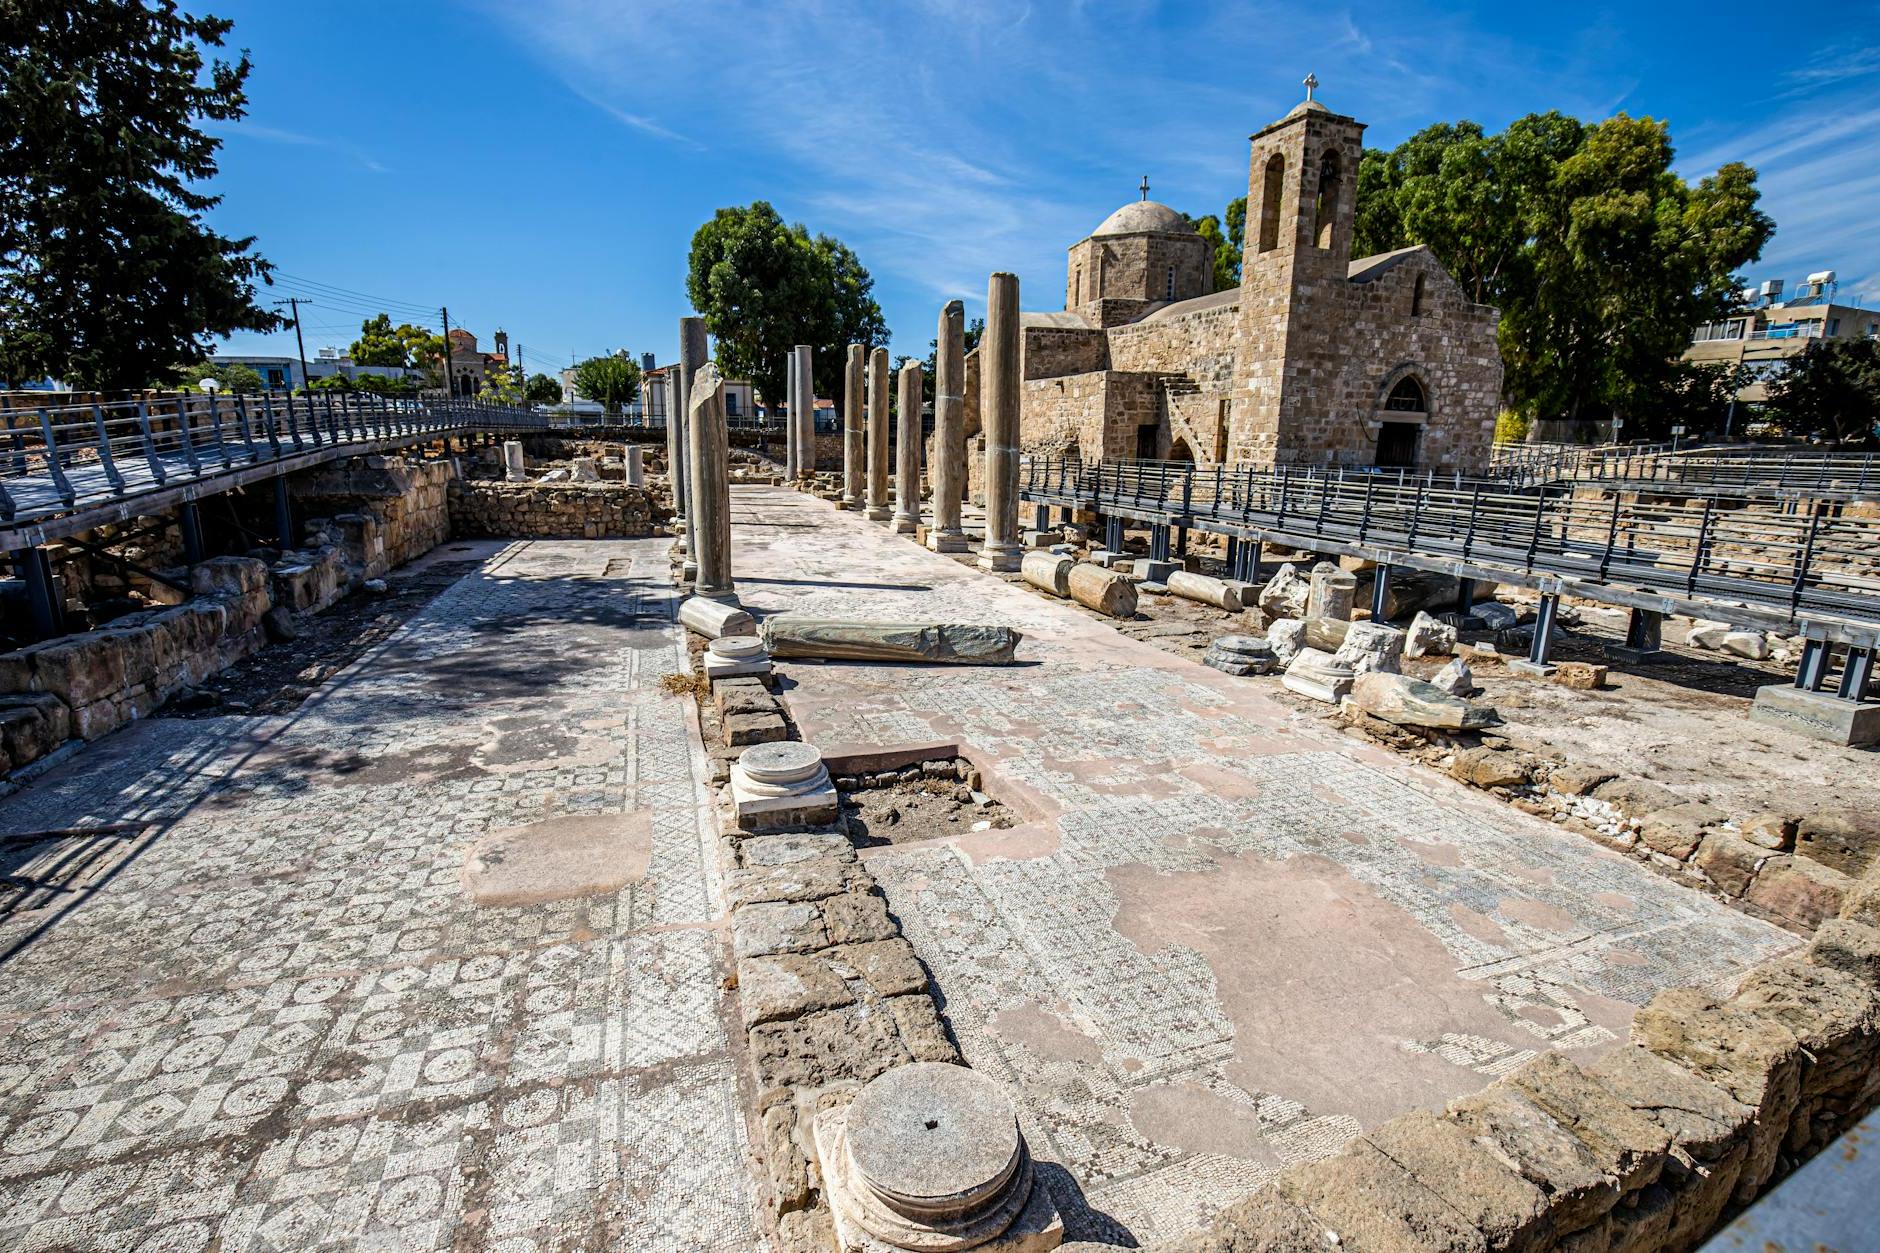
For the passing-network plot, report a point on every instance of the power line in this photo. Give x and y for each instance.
(385, 303)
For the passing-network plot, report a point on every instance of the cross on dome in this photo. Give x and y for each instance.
(1145, 187)
(1312, 84)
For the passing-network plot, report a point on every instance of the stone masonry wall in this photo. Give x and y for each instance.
(551, 510)
(1648, 1149)
(87, 685)
(1051, 351)
(391, 509)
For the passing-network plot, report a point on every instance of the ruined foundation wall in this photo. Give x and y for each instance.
(1650, 1148)
(391, 509)
(551, 510)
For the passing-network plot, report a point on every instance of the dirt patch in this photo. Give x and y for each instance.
(558, 858)
(931, 800)
(280, 677)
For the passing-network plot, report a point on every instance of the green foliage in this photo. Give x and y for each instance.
(502, 385)
(230, 378)
(1600, 258)
(612, 382)
(373, 384)
(1512, 427)
(1832, 389)
(1226, 257)
(543, 390)
(404, 345)
(763, 287)
(109, 275)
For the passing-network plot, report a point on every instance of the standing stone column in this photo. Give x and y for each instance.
(789, 426)
(878, 435)
(633, 467)
(710, 457)
(907, 452)
(998, 409)
(803, 411)
(948, 470)
(852, 429)
(692, 356)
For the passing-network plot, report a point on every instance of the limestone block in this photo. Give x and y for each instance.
(1489, 767)
(788, 985)
(1580, 675)
(1490, 1195)
(1676, 829)
(1426, 637)
(713, 618)
(1706, 635)
(1829, 1012)
(1636, 797)
(1048, 572)
(1372, 1203)
(1700, 1118)
(1327, 634)
(1848, 946)
(1408, 702)
(1847, 840)
(1751, 644)
(1799, 891)
(1106, 591)
(954, 643)
(1511, 1124)
(1286, 637)
(778, 927)
(1577, 778)
(1331, 591)
(1729, 862)
(1285, 594)
(852, 1043)
(889, 967)
(79, 669)
(1318, 675)
(1207, 590)
(1371, 646)
(1770, 830)
(1454, 678)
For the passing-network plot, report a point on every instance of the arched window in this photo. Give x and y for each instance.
(1273, 188)
(1325, 207)
(1407, 397)
(1416, 298)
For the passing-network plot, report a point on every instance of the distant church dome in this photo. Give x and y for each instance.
(1140, 217)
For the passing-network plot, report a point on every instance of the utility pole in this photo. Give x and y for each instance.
(305, 382)
(450, 384)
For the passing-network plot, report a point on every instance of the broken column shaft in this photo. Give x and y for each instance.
(710, 457)
(907, 451)
(949, 431)
(878, 435)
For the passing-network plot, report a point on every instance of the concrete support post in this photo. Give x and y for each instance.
(789, 426)
(692, 357)
(878, 435)
(803, 411)
(852, 440)
(998, 407)
(189, 519)
(709, 452)
(1537, 663)
(283, 512)
(30, 565)
(907, 450)
(1644, 638)
(949, 431)
(1380, 591)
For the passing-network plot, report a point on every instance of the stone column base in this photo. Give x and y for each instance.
(948, 541)
(1001, 560)
(904, 525)
(879, 513)
(1817, 715)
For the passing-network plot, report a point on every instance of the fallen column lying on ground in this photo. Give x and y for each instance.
(1047, 571)
(1204, 588)
(713, 618)
(829, 640)
(1408, 702)
(1106, 591)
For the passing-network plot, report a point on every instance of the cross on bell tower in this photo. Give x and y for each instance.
(1312, 84)
(1145, 187)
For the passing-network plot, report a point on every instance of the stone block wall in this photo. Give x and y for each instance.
(1050, 351)
(87, 685)
(551, 510)
(391, 509)
(1648, 1149)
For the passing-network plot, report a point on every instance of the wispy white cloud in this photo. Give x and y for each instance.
(280, 135)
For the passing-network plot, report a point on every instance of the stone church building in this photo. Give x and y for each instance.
(1314, 358)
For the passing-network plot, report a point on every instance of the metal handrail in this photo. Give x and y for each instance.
(59, 460)
(1809, 564)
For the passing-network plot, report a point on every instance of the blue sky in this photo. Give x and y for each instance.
(541, 166)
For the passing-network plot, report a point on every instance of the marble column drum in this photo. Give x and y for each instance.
(633, 465)
(998, 407)
(948, 470)
(852, 441)
(803, 411)
(878, 435)
(907, 450)
(711, 485)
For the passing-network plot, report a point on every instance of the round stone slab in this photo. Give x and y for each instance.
(1245, 645)
(737, 647)
(929, 1136)
(781, 762)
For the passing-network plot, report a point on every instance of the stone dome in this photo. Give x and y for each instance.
(1141, 217)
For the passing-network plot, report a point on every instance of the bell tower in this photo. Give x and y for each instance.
(1301, 200)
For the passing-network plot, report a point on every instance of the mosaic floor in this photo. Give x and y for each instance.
(1229, 938)
(277, 1018)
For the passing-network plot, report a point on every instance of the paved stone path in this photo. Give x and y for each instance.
(282, 1020)
(1228, 938)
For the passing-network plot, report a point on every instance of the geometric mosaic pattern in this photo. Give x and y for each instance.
(280, 1021)
(1234, 938)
